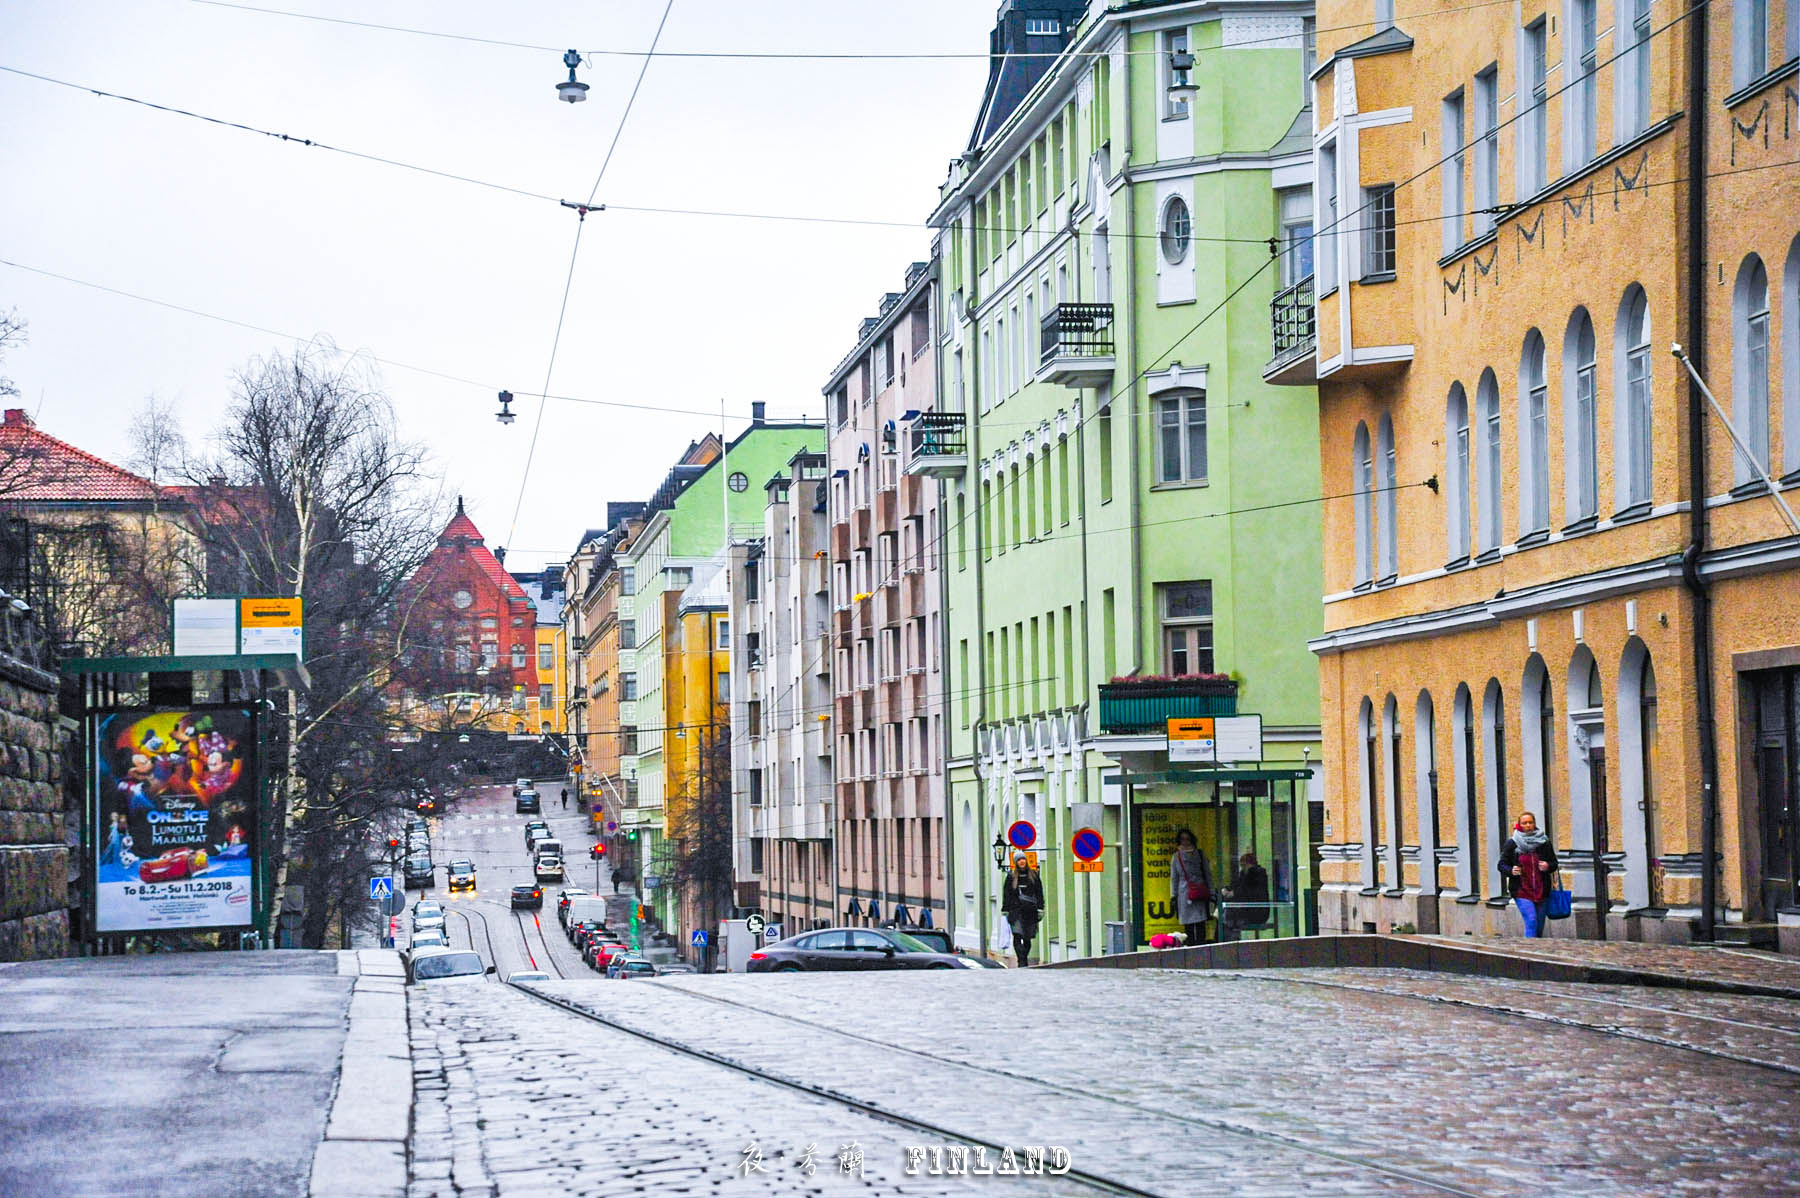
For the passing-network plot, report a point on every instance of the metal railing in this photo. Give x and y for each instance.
(937, 434)
(1291, 322)
(1078, 331)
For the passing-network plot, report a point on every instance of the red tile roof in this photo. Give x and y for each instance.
(38, 468)
(461, 526)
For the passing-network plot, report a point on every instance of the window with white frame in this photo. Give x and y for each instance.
(724, 634)
(1582, 104)
(1378, 232)
(490, 654)
(628, 686)
(1326, 238)
(1581, 380)
(1534, 421)
(1452, 171)
(1176, 231)
(546, 695)
(1487, 405)
(546, 657)
(1456, 470)
(1363, 462)
(1181, 437)
(1296, 234)
(518, 657)
(1633, 95)
(1487, 148)
(1633, 450)
(1387, 529)
(1187, 627)
(1750, 365)
(1750, 41)
(1174, 42)
(1534, 126)
(1042, 26)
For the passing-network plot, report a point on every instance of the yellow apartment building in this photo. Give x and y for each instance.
(1553, 581)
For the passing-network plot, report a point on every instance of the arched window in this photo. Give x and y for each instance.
(1369, 754)
(1632, 414)
(1425, 787)
(1456, 471)
(1637, 772)
(1534, 438)
(1468, 812)
(1499, 811)
(1390, 484)
(1589, 816)
(1750, 365)
(1390, 774)
(1790, 327)
(1487, 404)
(1537, 735)
(1581, 420)
(1365, 506)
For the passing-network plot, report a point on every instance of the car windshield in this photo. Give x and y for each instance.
(462, 867)
(424, 909)
(911, 944)
(448, 965)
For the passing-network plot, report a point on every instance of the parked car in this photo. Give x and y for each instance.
(536, 830)
(938, 938)
(569, 895)
(429, 938)
(420, 872)
(418, 841)
(427, 915)
(446, 966)
(521, 784)
(526, 897)
(673, 967)
(526, 801)
(862, 949)
(635, 967)
(547, 868)
(545, 844)
(586, 930)
(426, 804)
(528, 975)
(599, 950)
(461, 874)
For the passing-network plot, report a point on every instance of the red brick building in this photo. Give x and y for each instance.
(472, 637)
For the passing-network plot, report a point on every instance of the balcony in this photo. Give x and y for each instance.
(937, 445)
(1077, 346)
(1147, 706)
(1295, 336)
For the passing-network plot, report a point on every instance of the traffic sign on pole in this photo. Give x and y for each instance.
(1087, 844)
(380, 888)
(698, 939)
(754, 923)
(1022, 835)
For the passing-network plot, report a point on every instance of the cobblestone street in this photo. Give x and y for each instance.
(1328, 1081)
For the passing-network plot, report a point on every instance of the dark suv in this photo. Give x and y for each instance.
(526, 802)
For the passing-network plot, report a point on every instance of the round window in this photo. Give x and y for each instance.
(738, 481)
(462, 599)
(1177, 230)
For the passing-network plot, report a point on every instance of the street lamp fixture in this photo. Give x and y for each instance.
(571, 91)
(505, 414)
(1001, 849)
(1182, 88)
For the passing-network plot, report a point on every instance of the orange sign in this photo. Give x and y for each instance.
(269, 613)
(1087, 867)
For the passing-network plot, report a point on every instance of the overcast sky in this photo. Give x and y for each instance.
(671, 311)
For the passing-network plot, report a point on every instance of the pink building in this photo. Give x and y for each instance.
(885, 630)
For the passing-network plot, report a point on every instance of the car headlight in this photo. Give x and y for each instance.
(966, 963)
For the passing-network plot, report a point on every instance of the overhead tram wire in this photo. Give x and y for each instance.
(574, 252)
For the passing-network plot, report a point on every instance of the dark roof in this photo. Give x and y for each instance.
(1010, 80)
(1382, 41)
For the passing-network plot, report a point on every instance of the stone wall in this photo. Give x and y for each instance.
(35, 829)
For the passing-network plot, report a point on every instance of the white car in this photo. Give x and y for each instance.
(447, 966)
(528, 975)
(427, 915)
(548, 868)
(429, 938)
(521, 784)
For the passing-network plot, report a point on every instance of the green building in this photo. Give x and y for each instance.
(706, 499)
(1125, 497)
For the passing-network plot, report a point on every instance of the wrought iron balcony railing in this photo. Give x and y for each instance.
(1292, 325)
(1077, 331)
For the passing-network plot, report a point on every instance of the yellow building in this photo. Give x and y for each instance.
(697, 750)
(544, 705)
(1520, 209)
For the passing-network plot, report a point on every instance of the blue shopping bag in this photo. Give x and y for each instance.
(1560, 904)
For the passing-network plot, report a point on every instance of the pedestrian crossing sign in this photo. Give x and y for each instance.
(380, 888)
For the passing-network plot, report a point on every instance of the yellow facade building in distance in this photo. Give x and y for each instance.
(1554, 584)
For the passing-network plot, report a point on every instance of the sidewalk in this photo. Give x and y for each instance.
(1729, 970)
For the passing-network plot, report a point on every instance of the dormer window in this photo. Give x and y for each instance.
(1042, 26)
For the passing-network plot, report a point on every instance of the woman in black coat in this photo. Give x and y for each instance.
(1527, 864)
(1022, 901)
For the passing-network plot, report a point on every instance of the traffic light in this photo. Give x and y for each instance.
(393, 842)
(632, 835)
(597, 852)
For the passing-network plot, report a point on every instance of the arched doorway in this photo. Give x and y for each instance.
(1371, 793)
(1589, 817)
(1637, 774)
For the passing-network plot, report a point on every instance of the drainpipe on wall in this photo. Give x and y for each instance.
(1705, 714)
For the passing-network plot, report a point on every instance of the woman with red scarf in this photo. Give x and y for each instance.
(1526, 862)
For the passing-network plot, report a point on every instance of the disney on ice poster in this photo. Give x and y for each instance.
(175, 833)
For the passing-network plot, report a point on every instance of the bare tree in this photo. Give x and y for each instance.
(310, 490)
(699, 863)
(12, 335)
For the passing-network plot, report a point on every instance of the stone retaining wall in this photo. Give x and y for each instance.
(35, 833)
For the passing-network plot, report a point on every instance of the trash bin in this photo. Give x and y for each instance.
(1118, 939)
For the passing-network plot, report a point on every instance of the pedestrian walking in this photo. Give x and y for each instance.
(1022, 900)
(1526, 862)
(1190, 887)
(615, 877)
(565, 798)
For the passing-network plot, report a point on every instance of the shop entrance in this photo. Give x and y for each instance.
(1778, 786)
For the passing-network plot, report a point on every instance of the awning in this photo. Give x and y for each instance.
(874, 909)
(855, 908)
(901, 915)
(925, 917)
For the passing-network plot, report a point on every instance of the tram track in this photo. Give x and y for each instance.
(1093, 1180)
(486, 932)
(549, 957)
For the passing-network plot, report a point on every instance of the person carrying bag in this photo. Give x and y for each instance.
(1527, 862)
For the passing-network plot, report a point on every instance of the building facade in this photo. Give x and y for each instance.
(1553, 583)
(547, 705)
(1130, 522)
(781, 710)
(887, 668)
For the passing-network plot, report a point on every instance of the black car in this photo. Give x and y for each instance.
(426, 804)
(526, 801)
(462, 875)
(527, 898)
(419, 871)
(863, 949)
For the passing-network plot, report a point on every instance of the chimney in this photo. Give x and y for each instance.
(18, 416)
(757, 409)
(500, 555)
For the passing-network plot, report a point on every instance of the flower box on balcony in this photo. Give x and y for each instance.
(1146, 704)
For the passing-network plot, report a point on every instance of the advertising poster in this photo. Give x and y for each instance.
(175, 830)
(1156, 828)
